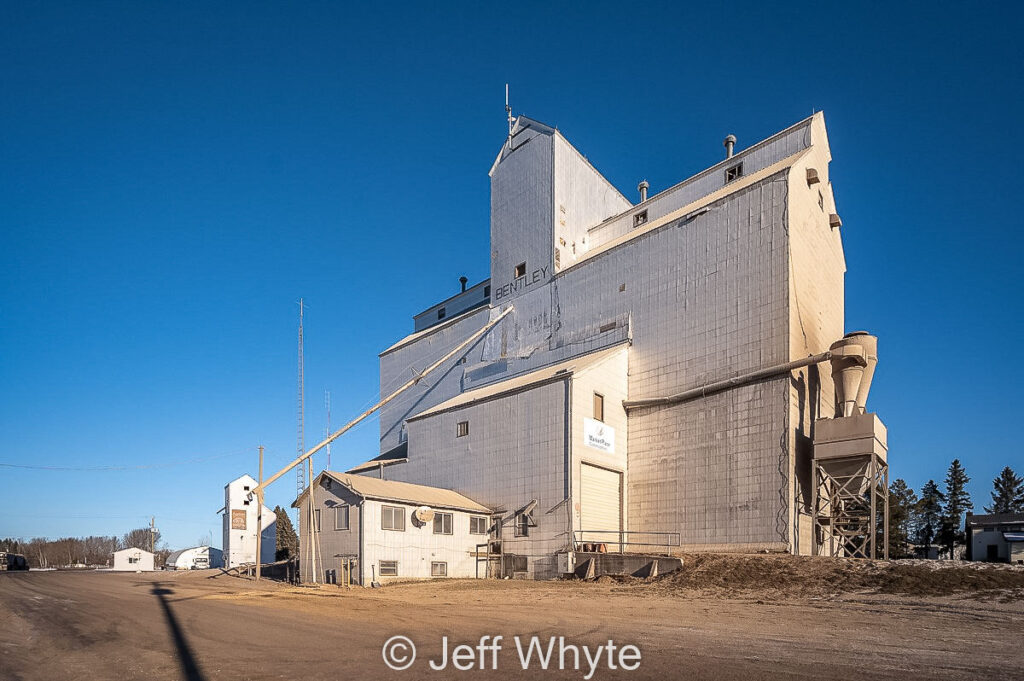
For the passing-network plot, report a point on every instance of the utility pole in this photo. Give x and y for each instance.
(152, 534)
(259, 520)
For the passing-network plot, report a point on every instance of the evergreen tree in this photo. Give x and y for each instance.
(929, 513)
(1007, 493)
(902, 518)
(287, 539)
(958, 502)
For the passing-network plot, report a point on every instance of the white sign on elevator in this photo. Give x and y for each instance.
(599, 435)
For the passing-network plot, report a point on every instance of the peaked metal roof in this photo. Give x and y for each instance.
(402, 492)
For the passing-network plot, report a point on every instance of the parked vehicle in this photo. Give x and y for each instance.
(12, 561)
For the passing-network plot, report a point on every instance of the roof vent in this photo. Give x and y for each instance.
(729, 143)
(463, 281)
(642, 188)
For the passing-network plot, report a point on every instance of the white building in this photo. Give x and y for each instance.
(240, 520)
(584, 414)
(392, 530)
(997, 537)
(133, 560)
(195, 558)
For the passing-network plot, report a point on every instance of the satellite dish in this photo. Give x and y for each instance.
(424, 514)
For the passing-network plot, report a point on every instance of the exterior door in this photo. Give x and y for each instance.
(601, 506)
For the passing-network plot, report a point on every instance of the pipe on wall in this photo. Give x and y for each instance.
(719, 386)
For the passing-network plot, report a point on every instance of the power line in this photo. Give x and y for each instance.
(168, 464)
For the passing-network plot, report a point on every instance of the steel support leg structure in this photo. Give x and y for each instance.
(851, 507)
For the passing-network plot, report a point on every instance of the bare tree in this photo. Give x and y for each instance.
(140, 538)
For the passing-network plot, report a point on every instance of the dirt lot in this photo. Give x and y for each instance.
(734, 618)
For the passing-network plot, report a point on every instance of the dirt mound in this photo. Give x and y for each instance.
(811, 576)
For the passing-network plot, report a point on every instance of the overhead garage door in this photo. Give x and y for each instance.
(601, 506)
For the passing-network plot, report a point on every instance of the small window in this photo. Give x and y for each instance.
(389, 568)
(640, 218)
(734, 173)
(442, 523)
(438, 569)
(403, 434)
(392, 518)
(522, 528)
(341, 517)
(316, 520)
(133, 559)
(520, 270)
(477, 524)
(245, 503)
(462, 429)
(598, 407)
(246, 488)
(440, 313)
(487, 291)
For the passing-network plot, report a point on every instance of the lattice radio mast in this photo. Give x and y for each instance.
(300, 471)
(327, 432)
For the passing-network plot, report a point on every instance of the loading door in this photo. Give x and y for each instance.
(601, 506)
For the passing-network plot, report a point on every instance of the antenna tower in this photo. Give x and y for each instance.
(327, 431)
(300, 471)
(508, 113)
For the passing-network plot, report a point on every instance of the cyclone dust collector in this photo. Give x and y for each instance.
(850, 499)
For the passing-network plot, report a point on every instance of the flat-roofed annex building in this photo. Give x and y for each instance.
(731, 271)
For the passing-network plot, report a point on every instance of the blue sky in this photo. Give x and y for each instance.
(174, 177)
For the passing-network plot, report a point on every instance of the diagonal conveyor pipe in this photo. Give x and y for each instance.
(348, 426)
(719, 386)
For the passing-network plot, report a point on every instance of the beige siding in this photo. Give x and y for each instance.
(816, 319)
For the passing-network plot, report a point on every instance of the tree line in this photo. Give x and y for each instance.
(96, 550)
(79, 551)
(935, 516)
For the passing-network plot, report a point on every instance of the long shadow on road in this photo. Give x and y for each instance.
(189, 665)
